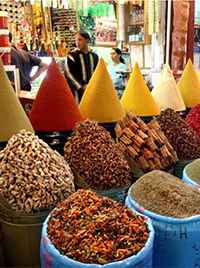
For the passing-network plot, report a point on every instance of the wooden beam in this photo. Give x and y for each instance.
(190, 33)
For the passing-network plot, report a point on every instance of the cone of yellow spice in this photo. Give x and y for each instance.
(100, 101)
(198, 74)
(12, 115)
(137, 97)
(189, 85)
(166, 92)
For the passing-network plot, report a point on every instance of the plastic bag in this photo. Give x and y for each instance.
(176, 242)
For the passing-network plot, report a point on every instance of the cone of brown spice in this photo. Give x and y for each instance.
(181, 137)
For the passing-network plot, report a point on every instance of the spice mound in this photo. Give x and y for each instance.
(182, 138)
(165, 194)
(193, 118)
(33, 177)
(93, 229)
(193, 171)
(92, 153)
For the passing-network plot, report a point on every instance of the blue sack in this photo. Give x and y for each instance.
(187, 180)
(52, 258)
(176, 242)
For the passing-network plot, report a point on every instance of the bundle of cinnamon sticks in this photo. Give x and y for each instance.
(146, 144)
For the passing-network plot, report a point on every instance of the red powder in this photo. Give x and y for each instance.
(54, 108)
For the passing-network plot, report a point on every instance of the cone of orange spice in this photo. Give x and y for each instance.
(54, 108)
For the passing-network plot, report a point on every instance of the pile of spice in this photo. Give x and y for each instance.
(92, 153)
(12, 115)
(189, 85)
(33, 177)
(193, 171)
(145, 144)
(165, 194)
(181, 137)
(193, 118)
(93, 229)
(100, 101)
(166, 92)
(137, 96)
(54, 108)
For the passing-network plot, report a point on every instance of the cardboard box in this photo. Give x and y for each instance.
(27, 98)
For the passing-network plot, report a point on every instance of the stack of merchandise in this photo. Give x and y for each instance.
(145, 144)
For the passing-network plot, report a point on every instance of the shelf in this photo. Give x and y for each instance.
(136, 23)
(136, 43)
(133, 27)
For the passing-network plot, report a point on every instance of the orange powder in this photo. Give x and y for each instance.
(54, 108)
(100, 101)
(137, 97)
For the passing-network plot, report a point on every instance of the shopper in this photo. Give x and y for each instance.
(118, 65)
(25, 61)
(80, 65)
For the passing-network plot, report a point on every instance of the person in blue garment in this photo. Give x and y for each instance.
(117, 65)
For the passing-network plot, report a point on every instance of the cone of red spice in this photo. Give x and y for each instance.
(54, 108)
(193, 118)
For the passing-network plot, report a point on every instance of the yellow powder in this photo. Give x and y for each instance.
(189, 85)
(166, 92)
(137, 97)
(100, 101)
(12, 115)
(198, 74)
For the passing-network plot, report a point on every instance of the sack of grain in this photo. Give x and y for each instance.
(177, 237)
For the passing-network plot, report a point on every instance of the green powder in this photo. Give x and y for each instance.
(193, 171)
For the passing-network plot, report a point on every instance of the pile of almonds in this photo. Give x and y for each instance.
(145, 144)
(92, 153)
(33, 177)
(180, 135)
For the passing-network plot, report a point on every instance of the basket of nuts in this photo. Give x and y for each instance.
(33, 180)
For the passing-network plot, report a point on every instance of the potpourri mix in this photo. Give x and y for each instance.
(33, 177)
(93, 229)
(92, 153)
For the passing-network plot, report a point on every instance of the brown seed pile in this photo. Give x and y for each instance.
(33, 177)
(165, 194)
(181, 137)
(93, 229)
(92, 153)
(145, 144)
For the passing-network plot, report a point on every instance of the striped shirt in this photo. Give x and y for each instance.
(79, 68)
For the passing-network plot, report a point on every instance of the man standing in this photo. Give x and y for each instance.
(25, 62)
(80, 65)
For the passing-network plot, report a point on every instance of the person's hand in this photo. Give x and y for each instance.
(84, 87)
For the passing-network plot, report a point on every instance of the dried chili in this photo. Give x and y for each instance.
(93, 229)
